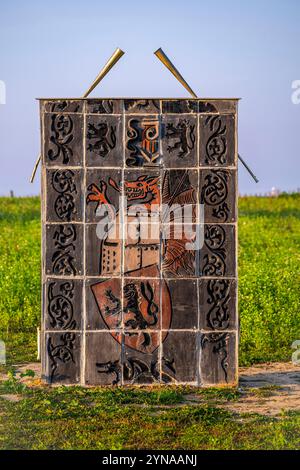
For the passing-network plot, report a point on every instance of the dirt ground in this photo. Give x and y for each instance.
(267, 389)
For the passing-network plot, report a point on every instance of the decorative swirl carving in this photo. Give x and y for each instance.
(60, 307)
(218, 298)
(62, 136)
(214, 193)
(63, 183)
(61, 353)
(216, 146)
(214, 262)
(63, 257)
(220, 347)
(143, 141)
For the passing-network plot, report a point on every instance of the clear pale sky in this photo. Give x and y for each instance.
(247, 49)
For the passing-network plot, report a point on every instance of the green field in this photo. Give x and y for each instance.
(79, 418)
(269, 281)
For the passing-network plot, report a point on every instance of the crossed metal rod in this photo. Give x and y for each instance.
(166, 61)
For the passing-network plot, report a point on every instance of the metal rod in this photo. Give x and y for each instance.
(248, 169)
(35, 168)
(166, 61)
(109, 64)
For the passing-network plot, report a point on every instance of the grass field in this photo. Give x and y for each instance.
(78, 418)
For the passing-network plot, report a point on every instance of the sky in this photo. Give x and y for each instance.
(246, 49)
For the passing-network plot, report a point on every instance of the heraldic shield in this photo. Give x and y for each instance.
(142, 310)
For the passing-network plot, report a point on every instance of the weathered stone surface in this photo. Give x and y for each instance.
(218, 363)
(104, 140)
(217, 257)
(64, 256)
(180, 350)
(63, 306)
(142, 138)
(103, 304)
(63, 139)
(139, 241)
(217, 304)
(179, 140)
(65, 198)
(217, 195)
(217, 140)
(184, 301)
(61, 362)
(103, 358)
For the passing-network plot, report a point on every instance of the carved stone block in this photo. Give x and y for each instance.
(184, 301)
(64, 195)
(218, 363)
(180, 350)
(218, 195)
(64, 255)
(103, 192)
(179, 106)
(103, 304)
(104, 140)
(63, 139)
(104, 106)
(179, 140)
(103, 358)
(62, 357)
(217, 255)
(217, 140)
(139, 241)
(136, 106)
(217, 304)
(142, 141)
(141, 365)
(63, 106)
(63, 304)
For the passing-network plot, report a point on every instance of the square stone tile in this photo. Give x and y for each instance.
(142, 190)
(142, 141)
(104, 140)
(103, 253)
(64, 255)
(141, 368)
(217, 257)
(184, 303)
(65, 197)
(63, 139)
(218, 195)
(217, 304)
(141, 308)
(217, 106)
(105, 106)
(218, 359)
(103, 358)
(103, 304)
(103, 194)
(180, 196)
(63, 308)
(63, 106)
(136, 106)
(217, 140)
(62, 358)
(179, 106)
(180, 250)
(180, 350)
(179, 140)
